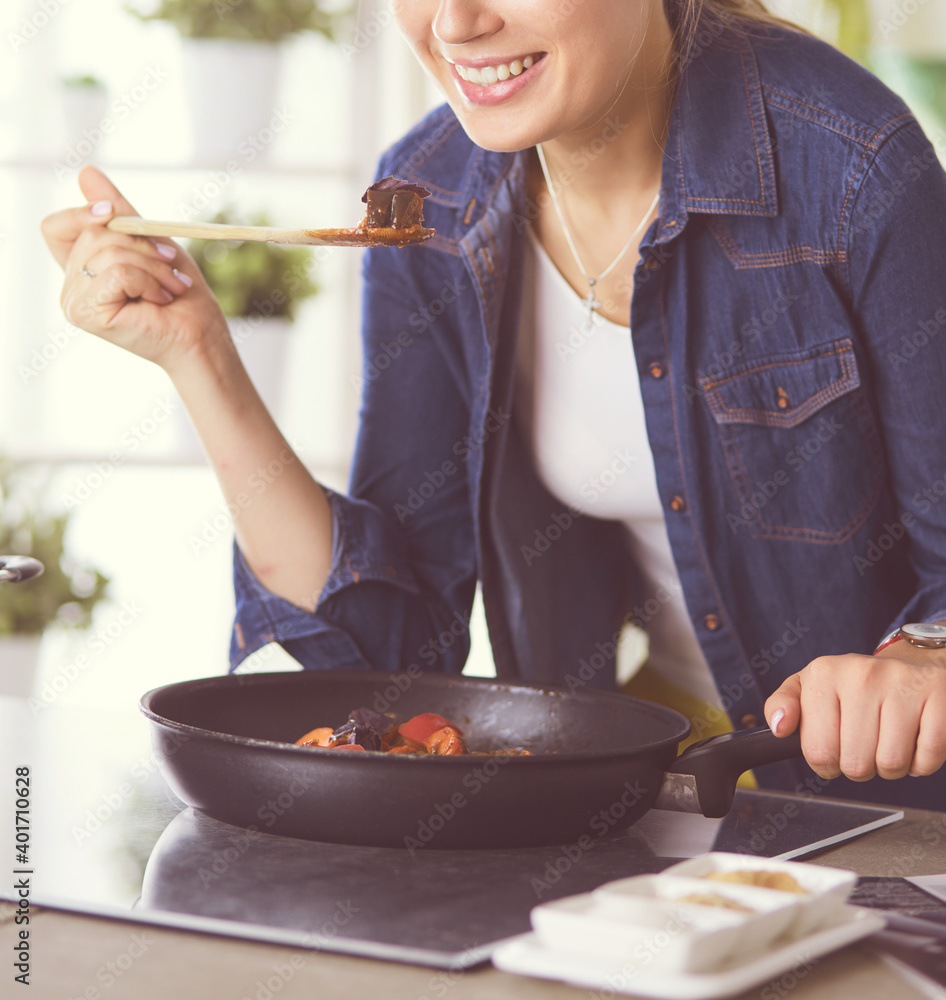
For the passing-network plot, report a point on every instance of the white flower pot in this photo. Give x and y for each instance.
(19, 659)
(83, 111)
(263, 345)
(231, 92)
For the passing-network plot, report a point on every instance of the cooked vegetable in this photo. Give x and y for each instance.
(418, 729)
(321, 737)
(427, 733)
(446, 741)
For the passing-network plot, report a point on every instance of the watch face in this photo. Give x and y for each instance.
(923, 633)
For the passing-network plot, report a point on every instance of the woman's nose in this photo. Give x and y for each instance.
(459, 21)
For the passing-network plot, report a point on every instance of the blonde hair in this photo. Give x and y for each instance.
(736, 15)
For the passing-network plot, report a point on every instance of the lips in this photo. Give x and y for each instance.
(489, 83)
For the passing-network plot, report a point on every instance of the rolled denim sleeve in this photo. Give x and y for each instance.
(403, 570)
(897, 275)
(364, 551)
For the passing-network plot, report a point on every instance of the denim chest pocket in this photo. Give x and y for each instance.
(801, 444)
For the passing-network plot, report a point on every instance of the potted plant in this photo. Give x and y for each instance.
(66, 593)
(259, 287)
(84, 104)
(231, 54)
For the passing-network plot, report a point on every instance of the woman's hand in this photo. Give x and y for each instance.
(867, 715)
(145, 295)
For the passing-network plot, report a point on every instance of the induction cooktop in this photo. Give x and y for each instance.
(110, 838)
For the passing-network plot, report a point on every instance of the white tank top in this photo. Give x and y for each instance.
(579, 400)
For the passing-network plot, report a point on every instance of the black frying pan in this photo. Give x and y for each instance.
(600, 760)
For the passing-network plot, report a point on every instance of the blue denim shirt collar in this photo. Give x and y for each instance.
(718, 126)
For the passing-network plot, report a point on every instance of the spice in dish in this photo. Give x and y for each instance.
(714, 899)
(781, 881)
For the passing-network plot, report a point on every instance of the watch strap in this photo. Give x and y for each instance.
(891, 637)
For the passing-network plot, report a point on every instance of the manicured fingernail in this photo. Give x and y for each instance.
(777, 720)
(166, 250)
(102, 208)
(913, 774)
(183, 278)
(168, 297)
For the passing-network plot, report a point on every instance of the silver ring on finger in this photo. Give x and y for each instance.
(86, 272)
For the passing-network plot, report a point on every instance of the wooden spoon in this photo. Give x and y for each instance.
(359, 237)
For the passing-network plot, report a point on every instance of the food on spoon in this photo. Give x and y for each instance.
(394, 203)
(394, 217)
(427, 733)
(714, 899)
(781, 881)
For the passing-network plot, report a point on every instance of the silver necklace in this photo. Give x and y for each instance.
(591, 302)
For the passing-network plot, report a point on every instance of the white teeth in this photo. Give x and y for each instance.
(489, 75)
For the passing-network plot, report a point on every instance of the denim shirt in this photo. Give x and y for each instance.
(788, 314)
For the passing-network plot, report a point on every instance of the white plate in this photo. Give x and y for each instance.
(525, 956)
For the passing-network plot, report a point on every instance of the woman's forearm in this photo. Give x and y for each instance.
(281, 514)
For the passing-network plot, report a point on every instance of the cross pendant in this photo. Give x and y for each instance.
(591, 301)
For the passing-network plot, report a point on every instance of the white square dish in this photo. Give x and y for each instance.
(664, 937)
(761, 915)
(825, 893)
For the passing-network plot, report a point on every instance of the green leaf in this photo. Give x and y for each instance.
(260, 20)
(68, 591)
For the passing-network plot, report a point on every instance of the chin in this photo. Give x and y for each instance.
(498, 136)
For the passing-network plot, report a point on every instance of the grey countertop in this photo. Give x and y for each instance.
(94, 958)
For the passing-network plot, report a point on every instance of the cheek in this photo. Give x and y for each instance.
(412, 19)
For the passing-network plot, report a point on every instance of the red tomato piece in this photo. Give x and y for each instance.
(421, 726)
(350, 746)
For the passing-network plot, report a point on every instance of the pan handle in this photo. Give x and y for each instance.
(717, 762)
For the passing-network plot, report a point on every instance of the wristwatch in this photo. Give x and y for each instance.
(927, 635)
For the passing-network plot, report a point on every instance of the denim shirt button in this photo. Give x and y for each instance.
(711, 622)
(657, 370)
(678, 504)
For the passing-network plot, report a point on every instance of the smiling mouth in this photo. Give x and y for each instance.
(487, 76)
